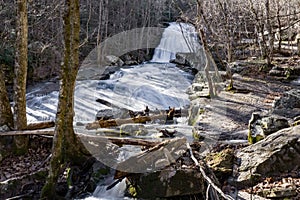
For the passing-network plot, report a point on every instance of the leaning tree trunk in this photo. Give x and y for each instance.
(20, 120)
(67, 148)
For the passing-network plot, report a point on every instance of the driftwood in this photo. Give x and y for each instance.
(40, 125)
(118, 122)
(119, 141)
(139, 117)
(115, 140)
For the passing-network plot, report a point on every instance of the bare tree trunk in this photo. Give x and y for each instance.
(279, 33)
(270, 45)
(298, 43)
(20, 120)
(206, 68)
(67, 148)
(6, 117)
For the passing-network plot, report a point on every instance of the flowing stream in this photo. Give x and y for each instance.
(157, 84)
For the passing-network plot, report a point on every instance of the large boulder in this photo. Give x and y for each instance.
(277, 153)
(167, 183)
(261, 126)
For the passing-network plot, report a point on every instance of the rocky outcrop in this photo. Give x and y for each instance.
(277, 153)
(261, 126)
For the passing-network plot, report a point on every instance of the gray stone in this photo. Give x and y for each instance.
(288, 105)
(104, 114)
(290, 99)
(168, 183)
(133, 129)
(4, 128)
(277, 153)
(114, 60)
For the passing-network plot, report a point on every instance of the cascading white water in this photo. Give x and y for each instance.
(177, 37)
(157, 84)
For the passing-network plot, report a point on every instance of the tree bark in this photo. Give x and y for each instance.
(21, 59)
(270, 45)
(6, 117)
(67, 148)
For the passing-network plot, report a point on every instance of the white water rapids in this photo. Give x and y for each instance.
(157, 84)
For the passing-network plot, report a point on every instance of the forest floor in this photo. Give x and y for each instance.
(229, 113)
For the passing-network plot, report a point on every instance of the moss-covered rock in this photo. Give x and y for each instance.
(221, 163)
(261, 126)
(166, 183)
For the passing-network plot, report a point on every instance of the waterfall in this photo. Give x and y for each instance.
(177, 37)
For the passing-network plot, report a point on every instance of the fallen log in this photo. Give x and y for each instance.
(119, 141)
(118, 122)
(115, 140)
(27, 132)
(40, 125)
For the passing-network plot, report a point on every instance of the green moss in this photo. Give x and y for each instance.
(296, 123)
(254, 139)
(132, 191)
(69, 177)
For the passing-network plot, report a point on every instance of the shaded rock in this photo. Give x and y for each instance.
(290, 99)
(113, 113)
(261, 126)
(182, 58)
(104, 114)
(167, 183)
(277, 153)
(133, 129)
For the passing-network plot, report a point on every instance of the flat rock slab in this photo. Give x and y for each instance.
(277, 153)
